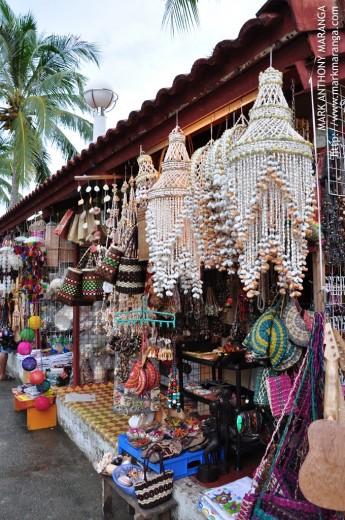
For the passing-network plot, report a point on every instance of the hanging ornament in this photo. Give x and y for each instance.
(273, 192)
(34, 322)
(42, 403)
(173, 249)
(36, 377)
(147, 176)
(144, 181)
(29, 363)
(24, 348)
(27, 335)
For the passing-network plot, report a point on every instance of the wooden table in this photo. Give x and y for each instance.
(161, 512)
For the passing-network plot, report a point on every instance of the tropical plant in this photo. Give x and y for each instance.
(182, 15)
(40, 95)
(5, 171)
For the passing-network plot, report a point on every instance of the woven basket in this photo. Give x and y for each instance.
(132, 275)
(70, 292)
(108, 269)
(92, 286)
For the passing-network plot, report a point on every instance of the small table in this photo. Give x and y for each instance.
(35, 419)
(162, 512)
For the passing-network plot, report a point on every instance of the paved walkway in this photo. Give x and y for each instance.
(43, 474)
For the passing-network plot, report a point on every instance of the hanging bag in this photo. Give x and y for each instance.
(132, 271)
(109, 266)
(81, 285)
(152, 492)
(70, 292)
(92, 284)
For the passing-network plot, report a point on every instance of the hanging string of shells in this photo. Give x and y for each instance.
(273, 192)
(173, 249)
(244, 202)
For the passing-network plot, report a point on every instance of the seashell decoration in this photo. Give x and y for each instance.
(271, 190)
(173, 250)
(147, 176)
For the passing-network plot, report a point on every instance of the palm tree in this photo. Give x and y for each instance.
(40, 93)
(181, 14)
(5, 171)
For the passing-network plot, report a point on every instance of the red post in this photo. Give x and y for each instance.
(76, 328)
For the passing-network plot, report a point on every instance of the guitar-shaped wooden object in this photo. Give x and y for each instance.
(322, 475)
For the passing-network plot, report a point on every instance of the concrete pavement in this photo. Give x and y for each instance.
(43, 474)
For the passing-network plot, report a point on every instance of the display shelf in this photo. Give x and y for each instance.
(225, 361)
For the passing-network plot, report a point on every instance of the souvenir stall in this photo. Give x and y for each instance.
(197, 284)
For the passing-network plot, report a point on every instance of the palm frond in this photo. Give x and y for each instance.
(182, 15)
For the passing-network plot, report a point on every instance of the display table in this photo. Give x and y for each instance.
(161, 512)
(35, 419)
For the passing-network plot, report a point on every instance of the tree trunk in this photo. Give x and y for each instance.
(14, 198)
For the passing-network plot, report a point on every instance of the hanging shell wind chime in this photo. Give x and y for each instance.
(147, 176)
(273, 192)
(172, 245)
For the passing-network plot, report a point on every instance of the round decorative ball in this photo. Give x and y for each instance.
(42, 403)
(34, 322)
(44, 387)
(27, 335)
(29, 363)
(24, 348)
(36, 377)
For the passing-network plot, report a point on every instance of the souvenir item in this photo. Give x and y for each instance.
(260, 391)
(295, 325)
(64, 224)
(155, 490)
(132, 271)
(173, 250)
(273, 192)
(70, 292)
(279, 394)
(147, 176)
(123, 480)
(109, 266)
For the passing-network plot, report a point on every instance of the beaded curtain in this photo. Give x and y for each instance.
(272, 191)
(172, 246)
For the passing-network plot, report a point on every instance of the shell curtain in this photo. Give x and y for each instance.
(242, 203)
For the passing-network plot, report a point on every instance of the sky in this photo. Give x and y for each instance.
(138, 57)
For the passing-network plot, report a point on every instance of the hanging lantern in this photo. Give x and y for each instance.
(42, 403)
(24, 348)
(44, 387)
(36, 377)
(27, 335)
(173, 249)
(144, 181)
(34, 322)
(147, 176)
(29, 363)
(272, 192)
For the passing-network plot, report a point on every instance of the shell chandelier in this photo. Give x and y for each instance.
(224, 216)
(197, 210)
(271, 192)
(208, 206)
(172, 246)
(147, 176)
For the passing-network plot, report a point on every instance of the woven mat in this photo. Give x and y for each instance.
(98, 415)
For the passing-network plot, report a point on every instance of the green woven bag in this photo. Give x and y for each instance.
(258, 340)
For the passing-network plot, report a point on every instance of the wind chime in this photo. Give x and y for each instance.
(172, 245)
(147, 176)
(272, 192)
